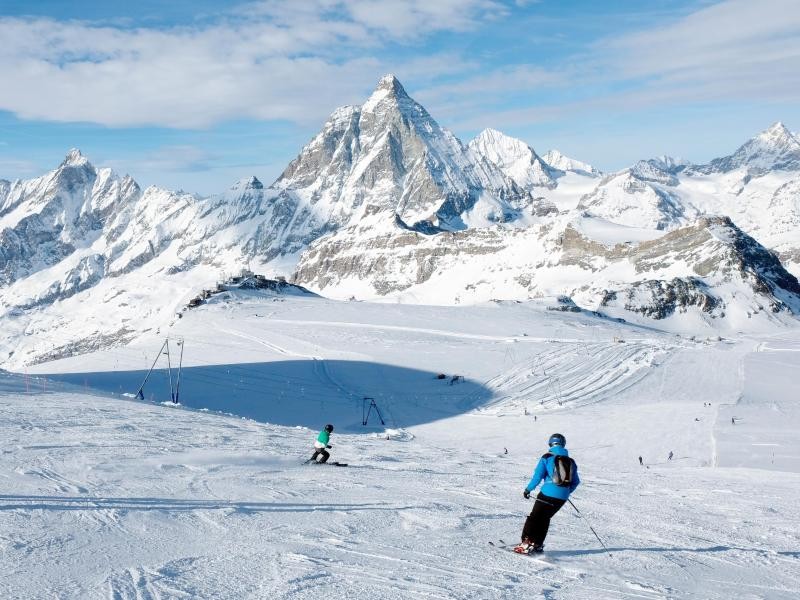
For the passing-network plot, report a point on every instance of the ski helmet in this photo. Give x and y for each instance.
(329, 428)
(557, 440)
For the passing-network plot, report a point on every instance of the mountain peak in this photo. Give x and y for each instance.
(254, 183)
(515, 158)
(249, 183)
(777, 133)
(391, 83)
(557, 160)
(388, 87)
(774, 148)
(495, 136)
(74, 158)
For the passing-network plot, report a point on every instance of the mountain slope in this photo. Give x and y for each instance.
(391, 154)
(732, 278)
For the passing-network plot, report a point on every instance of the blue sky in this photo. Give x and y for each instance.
(197, 94)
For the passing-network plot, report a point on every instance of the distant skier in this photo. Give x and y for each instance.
(321, 444)
(733, 421)
(560, 475)
(641, 462)
(670, 455)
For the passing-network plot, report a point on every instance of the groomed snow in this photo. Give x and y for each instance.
(108, 497)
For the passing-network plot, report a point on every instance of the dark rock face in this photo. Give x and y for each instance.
(658, 299)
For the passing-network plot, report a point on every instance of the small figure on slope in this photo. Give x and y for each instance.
(321, 444)
(641, 462)
(560, 475)
(670, 455)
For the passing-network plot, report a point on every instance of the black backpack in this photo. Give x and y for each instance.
(563, 467)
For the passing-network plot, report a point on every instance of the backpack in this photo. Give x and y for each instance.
(562, 469)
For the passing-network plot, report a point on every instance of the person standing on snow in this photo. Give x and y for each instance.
(670, 455)
(323, 442)
(560, 475)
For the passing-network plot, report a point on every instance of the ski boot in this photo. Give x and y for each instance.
(524, 547)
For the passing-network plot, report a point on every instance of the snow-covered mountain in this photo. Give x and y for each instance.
(385, 203)
(776, 148)
(556, 160)
(391, 154)
(711, 269)
(44, 220)
(642, 196)
(516, 159)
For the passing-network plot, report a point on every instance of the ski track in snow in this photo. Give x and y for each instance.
(120, 499)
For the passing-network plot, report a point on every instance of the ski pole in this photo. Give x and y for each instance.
(580, 516)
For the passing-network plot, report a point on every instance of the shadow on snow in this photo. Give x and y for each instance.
(87, 503)
(302, 392)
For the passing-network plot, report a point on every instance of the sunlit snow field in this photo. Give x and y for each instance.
(105, 496)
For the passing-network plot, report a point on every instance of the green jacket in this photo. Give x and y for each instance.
(324, 437)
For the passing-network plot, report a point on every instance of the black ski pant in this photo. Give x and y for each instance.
(320, 451)
(538, 522)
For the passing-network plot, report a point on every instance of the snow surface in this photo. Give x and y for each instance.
(611, 234)
(107, 497)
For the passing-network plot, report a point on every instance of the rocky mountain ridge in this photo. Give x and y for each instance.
(385, 203)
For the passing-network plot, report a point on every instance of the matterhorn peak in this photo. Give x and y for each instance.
(390, 83)
(388, 88)
(74, 158)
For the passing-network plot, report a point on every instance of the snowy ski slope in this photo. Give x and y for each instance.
(104, 496)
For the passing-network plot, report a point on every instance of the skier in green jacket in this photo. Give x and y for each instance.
(321, 444)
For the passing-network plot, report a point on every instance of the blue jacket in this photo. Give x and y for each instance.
(543, 471)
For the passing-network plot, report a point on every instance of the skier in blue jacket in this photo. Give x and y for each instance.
(560, 476)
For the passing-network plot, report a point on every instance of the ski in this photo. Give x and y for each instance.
(329, 463)
(502, 545)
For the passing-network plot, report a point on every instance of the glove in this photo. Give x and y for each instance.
(329, 446)
(526, 494)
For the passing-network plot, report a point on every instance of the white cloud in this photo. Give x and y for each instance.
(410, 18)
(268, 61)
(11, 168)
(180, 158)
(734, 49)
(731, 51)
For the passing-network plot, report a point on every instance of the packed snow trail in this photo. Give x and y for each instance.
(140, 501)
(104, 497)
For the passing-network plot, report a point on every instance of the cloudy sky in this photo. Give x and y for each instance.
(195, 94)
